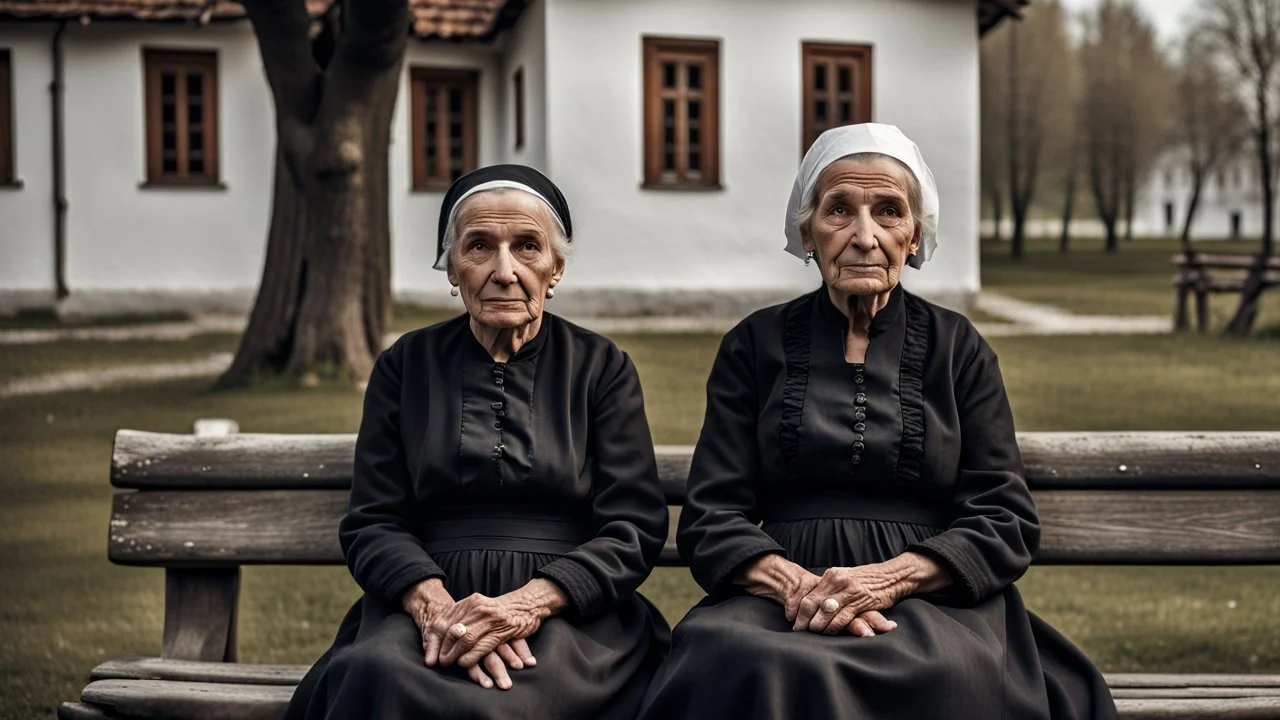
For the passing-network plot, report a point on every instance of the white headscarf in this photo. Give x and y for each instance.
(852, 139)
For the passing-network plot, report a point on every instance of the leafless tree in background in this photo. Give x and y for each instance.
(992, 103)
(1125, 85)
(1026, 66)
(1246, 35)
(1211, 125)
(325, 297)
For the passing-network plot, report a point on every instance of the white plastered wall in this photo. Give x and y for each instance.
(925, 79)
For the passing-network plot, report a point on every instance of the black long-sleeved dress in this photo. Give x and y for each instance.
(488, 475)
(848, 464)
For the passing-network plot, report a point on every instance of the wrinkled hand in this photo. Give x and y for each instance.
(429, 603)
(493, 622)
(778, 579)
(862, 592)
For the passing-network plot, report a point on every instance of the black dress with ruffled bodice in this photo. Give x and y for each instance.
(488, 475)
(837, 464)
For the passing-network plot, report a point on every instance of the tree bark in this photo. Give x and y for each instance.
(324, 301)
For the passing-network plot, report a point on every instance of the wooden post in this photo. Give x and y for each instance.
(200, 608)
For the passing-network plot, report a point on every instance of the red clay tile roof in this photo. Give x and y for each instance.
(448, 19)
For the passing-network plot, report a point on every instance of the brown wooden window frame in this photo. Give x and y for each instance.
(8, 172)
(683, 53)
(441, 79)
(185, 62)
(517, 92)
(859, 94)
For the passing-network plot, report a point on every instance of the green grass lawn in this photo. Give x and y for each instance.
(1137, 280)
(65, 608)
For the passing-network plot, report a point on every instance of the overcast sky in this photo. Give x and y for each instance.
(1166, 14)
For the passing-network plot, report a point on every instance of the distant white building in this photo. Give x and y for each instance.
(674, 128)
(1230, 204)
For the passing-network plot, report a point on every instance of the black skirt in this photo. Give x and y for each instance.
(992, 660)
(598, 668)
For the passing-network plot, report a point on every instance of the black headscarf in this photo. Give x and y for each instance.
(521, 174)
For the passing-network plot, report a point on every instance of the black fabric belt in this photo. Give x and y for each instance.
(521, 529)
(853, 506)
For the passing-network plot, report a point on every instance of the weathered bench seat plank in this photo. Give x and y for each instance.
(1210, 709)
(154, 668)
(1127, 685)
(162, 699)
(188, 700)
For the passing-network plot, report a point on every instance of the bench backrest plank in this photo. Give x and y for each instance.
(206, 529)
(1135, 498)
(1058, 460)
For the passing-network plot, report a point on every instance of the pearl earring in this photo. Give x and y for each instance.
(454, 291)
(551, 291)
(808, 258)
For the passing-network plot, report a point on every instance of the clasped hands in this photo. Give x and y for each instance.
(842, 598)
(485, 636)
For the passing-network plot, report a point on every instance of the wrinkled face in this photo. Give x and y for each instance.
(502, 260)
(862, 229)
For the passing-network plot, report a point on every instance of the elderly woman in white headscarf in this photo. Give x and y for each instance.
(857, 511)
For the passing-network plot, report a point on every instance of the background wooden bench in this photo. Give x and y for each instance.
(202, 507)
(1194, 278)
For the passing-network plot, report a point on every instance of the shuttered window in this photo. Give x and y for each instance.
(681, 113)
(182, 117)
(444, 120)
(837, 88)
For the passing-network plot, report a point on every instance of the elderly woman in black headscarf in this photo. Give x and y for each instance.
(856, 507)
(505, 503)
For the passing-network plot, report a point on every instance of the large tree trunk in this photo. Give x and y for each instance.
(324, 301)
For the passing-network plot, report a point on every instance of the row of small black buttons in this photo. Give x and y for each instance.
(499, 409)
(859, 414)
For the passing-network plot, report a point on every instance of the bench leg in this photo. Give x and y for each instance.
(1202, 310)
(1180, 309)
(200, 614)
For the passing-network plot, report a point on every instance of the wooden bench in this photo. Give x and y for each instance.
(203, 507)
(1194, 277)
